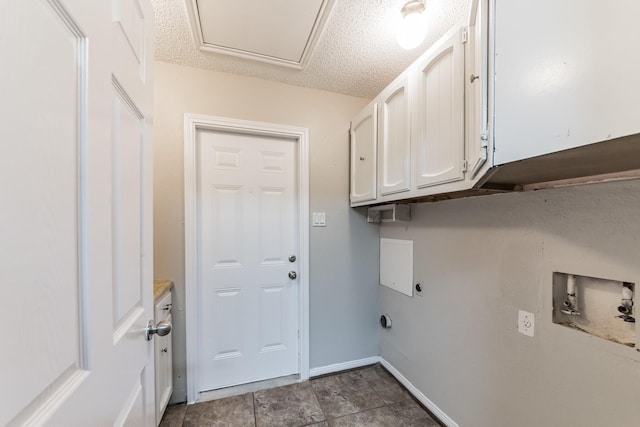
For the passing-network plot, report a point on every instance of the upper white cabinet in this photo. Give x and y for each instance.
(526, 95)
(438, 114)
(364, 136)
(566, 74)
(420, 130)
(394, 149)
(477, 89)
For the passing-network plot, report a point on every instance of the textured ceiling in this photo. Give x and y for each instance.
(357, 53)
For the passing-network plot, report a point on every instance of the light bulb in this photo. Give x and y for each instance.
(412, 31)
(413, 28)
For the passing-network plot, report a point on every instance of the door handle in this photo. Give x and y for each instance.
(292, 275)
(292, 258)
(162, 328)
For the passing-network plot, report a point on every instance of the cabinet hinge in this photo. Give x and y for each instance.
(484, 139)
(465, 165)
(464, 35)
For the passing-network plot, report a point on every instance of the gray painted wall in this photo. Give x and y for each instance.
(344, 255)
(482, 259)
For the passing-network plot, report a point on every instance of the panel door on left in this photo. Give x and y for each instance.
(41, 227)
(59, 214)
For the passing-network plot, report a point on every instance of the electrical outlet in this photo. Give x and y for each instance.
(526, 323)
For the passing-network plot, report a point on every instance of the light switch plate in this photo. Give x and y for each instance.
(526, 323)
(319, 219)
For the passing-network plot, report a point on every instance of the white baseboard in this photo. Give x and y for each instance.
(337, 367)
(418, 394)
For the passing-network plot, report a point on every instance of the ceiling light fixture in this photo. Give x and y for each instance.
(413, 26)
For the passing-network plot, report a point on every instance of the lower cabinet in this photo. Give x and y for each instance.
(163, 358)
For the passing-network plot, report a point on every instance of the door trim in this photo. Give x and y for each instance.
(193, 123)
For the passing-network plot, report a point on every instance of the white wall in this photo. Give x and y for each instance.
(480, 260)
(343, 265)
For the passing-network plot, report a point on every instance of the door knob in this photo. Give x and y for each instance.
(292, 258)
(162, 329)
(292, 275)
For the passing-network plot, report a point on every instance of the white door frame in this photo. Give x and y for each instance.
(193, 123)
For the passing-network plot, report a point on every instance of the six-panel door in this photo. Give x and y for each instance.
(75, 239)
(247, 232)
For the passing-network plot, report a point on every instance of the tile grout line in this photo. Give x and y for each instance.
(379, 396)
(184, 416)
(413, 398)
(324, 415)
(327, 418)
(255, 415)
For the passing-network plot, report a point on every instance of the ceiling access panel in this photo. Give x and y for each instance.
(280, 32)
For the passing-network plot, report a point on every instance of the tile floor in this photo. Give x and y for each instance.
(368, 396)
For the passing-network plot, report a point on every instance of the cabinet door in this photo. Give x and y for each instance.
(364, 136)
(439, 123)
(394, 149)
(163, 358)
(568, 82)
(477, 85)
(164, 373)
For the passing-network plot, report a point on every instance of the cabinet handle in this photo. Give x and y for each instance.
(167, 307)
(164, 350)
(361, 158)
(473, 78)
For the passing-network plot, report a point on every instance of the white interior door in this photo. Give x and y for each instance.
(247, 229)
(75, 235)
